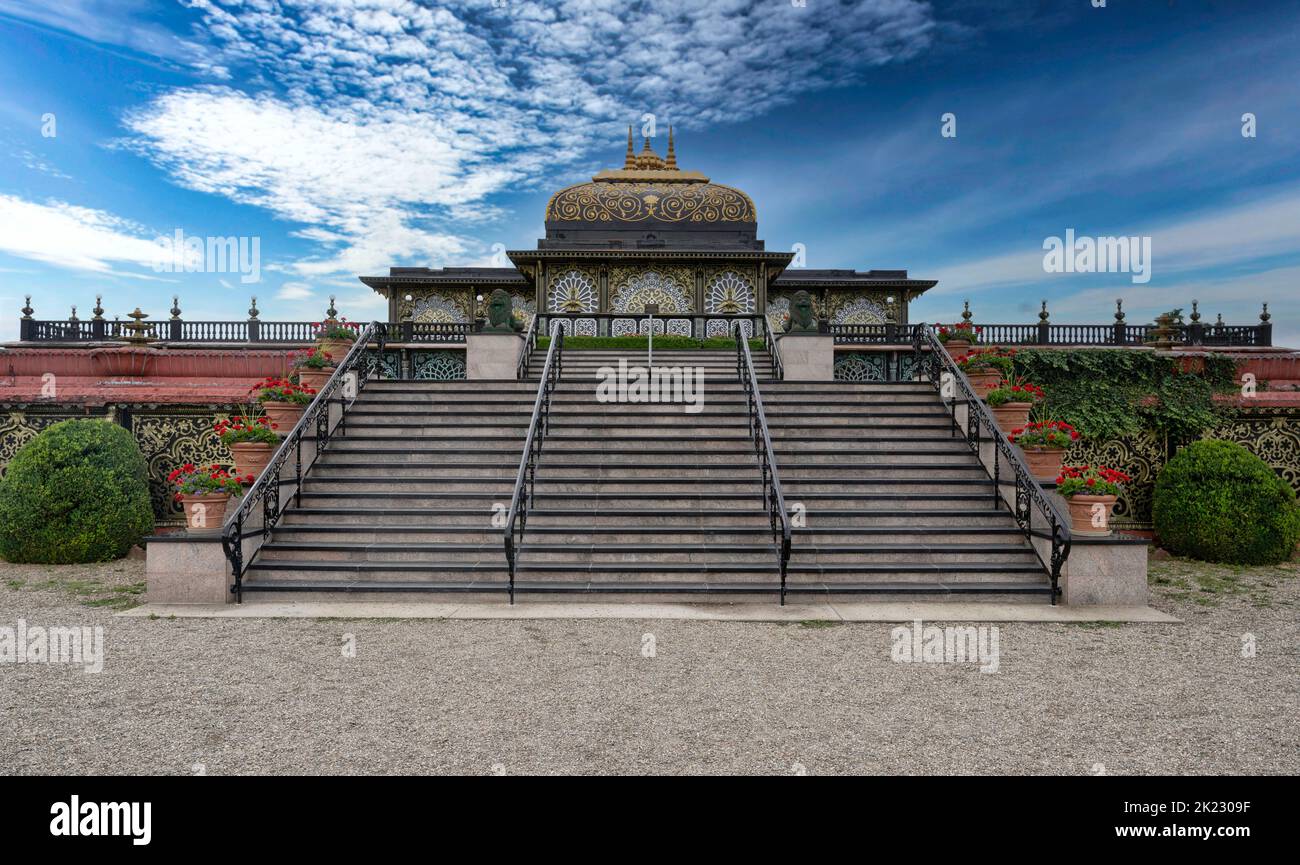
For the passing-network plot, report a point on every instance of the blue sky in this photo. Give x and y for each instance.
(351, 136)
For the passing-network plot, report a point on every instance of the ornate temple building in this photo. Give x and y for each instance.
(649, 232)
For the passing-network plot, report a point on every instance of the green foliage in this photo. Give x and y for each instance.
(1117, 393)
(1218, 502)
(78, 492)
(666, 343)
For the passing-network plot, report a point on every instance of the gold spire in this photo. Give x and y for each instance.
(671, 162)
(630, 160)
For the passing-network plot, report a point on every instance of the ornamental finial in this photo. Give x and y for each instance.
(73, 317)
(1042, 313)
(1218, 322)
(1119, 310)
(252, 310)
(630, 160)
(1265, 315)
(27, 307)
(176, 308)
(331, 313)
(1196, 312)
(671, 162)
(965, 312)
(99, 307)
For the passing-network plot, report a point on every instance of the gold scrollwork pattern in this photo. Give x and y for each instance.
(17, 428)
(171, 440)
(844, 307)
(664, 202)
(432, 307)
(729, 292)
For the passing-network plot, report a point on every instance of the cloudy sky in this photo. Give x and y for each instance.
(351, 135)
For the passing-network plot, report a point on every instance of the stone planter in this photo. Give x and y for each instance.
(1082, 514)
(984, 382)
(205, 512)
(335, 348)
(957, 347)
(284, 415)
(314, 378)
(1012, 415)
(1044, 463)
(251, 457)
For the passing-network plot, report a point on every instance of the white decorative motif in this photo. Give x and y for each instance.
(435, 308)
(572, 291)
(721, 327)
(652, 287)
(574, 326)
(729, 293)
(861, 311)
(641, 327)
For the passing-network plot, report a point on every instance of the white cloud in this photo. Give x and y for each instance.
(79, 238)
(392, 122)
(294, 291)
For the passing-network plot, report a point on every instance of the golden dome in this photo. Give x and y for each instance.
(649, 190)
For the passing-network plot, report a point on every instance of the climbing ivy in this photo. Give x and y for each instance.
(1107, 394)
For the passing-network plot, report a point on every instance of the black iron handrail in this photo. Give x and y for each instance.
(526, 356)
(266, 489)
(525, 480)
(773, 497)
(778, 368)
(955, 388)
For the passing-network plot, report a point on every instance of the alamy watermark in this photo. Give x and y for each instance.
(1074, 254)
(921, 644)
(34, 644)
(183, 253)
(661, 384)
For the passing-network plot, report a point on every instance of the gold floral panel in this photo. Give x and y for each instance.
(573, 290)
(673, 288)
(856, 307)
(639, 202)
(729, 291)
(432, 307)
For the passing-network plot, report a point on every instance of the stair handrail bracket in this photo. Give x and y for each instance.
(525, 480)
(932, 360)
(316, 426)
(773, 496)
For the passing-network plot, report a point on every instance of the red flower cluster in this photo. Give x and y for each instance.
(274, 389)
(1049, 434)
(193, 481)
(240, 430)
(1090, 480)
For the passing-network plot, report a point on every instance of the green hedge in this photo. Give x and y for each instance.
(77, 492)
(1218, 502)
(632, 343)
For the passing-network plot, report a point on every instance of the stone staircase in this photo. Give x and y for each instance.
(645, 499)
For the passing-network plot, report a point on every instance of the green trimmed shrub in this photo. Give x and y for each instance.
(1218, 502)
(78, 492)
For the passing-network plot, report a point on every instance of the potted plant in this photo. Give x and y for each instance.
(985, 367)
(283, 401)
(1091, 492)
(314, 367)
(1044, 444)
(1011, 402)
(251, 441)
(335, 336)
(959, 337)
(205, 493)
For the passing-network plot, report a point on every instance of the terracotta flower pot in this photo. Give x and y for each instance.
(1012, 415)
(957, 346)
(251, 457)
(1084, 515)
(205, 512)
(984, 382)
(284, 414)
(314, 378)
(335, 348)
(1044, 463)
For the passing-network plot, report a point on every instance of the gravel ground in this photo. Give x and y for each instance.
(515, 697)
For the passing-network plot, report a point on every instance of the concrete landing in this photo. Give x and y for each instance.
(836, 612)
